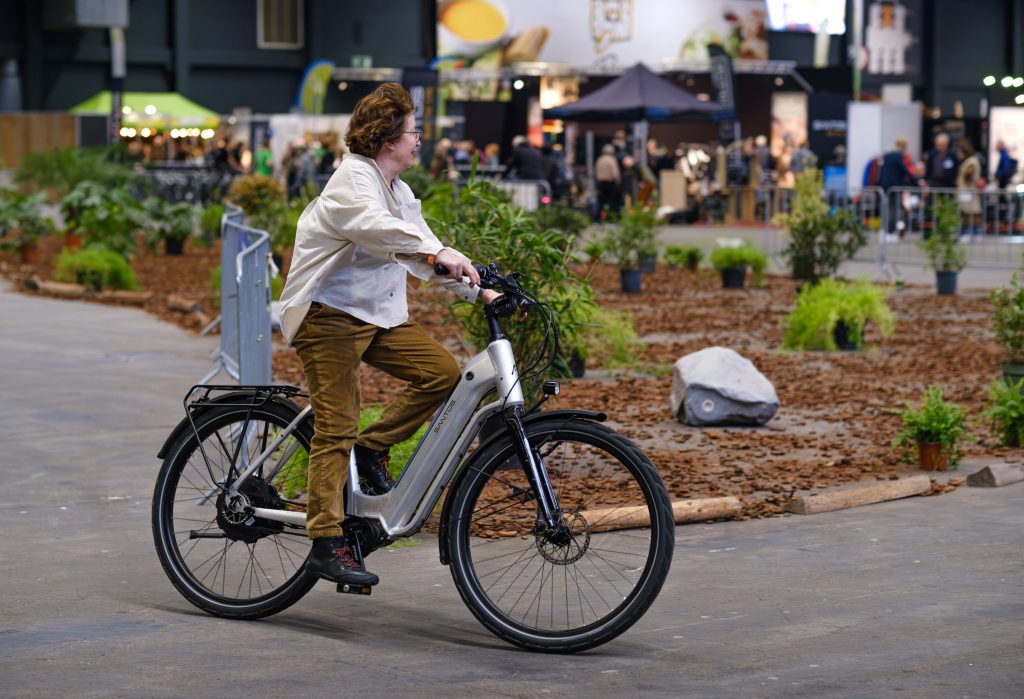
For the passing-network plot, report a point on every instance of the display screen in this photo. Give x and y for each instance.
(807, 16)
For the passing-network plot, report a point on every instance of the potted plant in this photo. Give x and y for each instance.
(95, 268)
(106, 216)
(819, 239)
(1005, 411)
(945, 255)
(23, 224)
(832, 316)
(170, 222)
(1008, 323)
(938, 430)
(688, 256)
(626, 242)
(732, 262)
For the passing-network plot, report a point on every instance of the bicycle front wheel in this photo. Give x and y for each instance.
(583, 588)
(220, 557)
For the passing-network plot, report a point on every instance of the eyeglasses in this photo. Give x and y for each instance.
(418, 134)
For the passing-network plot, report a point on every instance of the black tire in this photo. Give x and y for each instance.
(266, 559)
(592, 470)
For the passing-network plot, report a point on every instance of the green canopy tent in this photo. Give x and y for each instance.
(156, 110)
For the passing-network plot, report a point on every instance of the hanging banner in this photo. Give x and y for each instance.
(422, 86)
(611, 33)
(725, 94)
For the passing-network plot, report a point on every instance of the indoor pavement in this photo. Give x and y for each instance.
(920, 597)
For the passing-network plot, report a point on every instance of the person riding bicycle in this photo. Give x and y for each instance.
(344, 303)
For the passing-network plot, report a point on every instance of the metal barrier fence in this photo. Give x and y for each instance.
(897, 220)
(527, 194)
(196, 186)
(245, 339)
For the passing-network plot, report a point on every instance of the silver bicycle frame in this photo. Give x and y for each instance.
(403, 510)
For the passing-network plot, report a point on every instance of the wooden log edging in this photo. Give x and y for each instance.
(699, 510)
(855, 497)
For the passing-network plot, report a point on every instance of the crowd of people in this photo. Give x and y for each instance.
(946, 166)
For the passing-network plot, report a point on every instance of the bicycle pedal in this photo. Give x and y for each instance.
(350, 589)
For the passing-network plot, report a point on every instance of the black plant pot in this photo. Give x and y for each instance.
(632, 280)
(845, 339)
(945, 283)
(732, 277)
(174, 246)
(90, 279)
(577, 365)
(803, 268)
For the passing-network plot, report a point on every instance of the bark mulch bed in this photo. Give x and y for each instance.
(833, 428)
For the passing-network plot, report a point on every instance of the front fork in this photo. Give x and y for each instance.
(536, 473)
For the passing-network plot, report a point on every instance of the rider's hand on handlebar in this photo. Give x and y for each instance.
(458, 265)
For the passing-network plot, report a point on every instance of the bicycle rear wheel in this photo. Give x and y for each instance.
(220, 557)
(568, 593)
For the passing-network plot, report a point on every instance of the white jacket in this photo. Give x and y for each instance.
(345, 247)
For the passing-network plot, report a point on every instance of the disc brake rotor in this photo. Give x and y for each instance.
(568, 544)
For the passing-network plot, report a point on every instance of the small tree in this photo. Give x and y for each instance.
(820, 239)
(944, 253)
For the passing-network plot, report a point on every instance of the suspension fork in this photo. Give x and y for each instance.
(533, 467)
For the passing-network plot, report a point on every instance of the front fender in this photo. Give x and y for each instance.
(530, 423)
(185, 426)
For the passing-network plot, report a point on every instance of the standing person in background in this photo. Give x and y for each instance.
(1006, 167)
(263, 161)
(967, 177)
(894, 173)
(941, 163)
(526, 162)
(609, 183)
(492, 155)
(803, 159)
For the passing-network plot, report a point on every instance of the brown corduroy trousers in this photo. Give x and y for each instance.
(331, 345)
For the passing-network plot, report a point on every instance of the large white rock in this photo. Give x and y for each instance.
(717, 386)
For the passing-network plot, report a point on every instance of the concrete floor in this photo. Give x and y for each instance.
(921, 597)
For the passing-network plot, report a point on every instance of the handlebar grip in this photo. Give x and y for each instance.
(440, 270)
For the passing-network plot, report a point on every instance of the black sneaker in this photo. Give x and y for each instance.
(333, 559)
(373, 469)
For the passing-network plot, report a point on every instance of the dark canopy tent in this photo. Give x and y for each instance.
(636, 95)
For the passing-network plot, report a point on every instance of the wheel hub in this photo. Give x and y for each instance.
(565, 543)
(234, 513)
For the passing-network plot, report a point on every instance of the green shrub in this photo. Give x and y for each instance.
(632, 238)
(209, 221)
(61, 169)
(944, 253)
(745, 255)
(21, 218)
(688, 256)
(937, 422)
(610, 339)
(1008, 318)
(255, 193)
(168, 220)
(106, 217)
(820, 239)
(562, 218)
(819, 308)
(1006, 411)
(482, 224)
(96, 268)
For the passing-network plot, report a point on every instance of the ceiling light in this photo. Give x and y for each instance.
(518, 84)
(1006, 81)
(989, 80)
